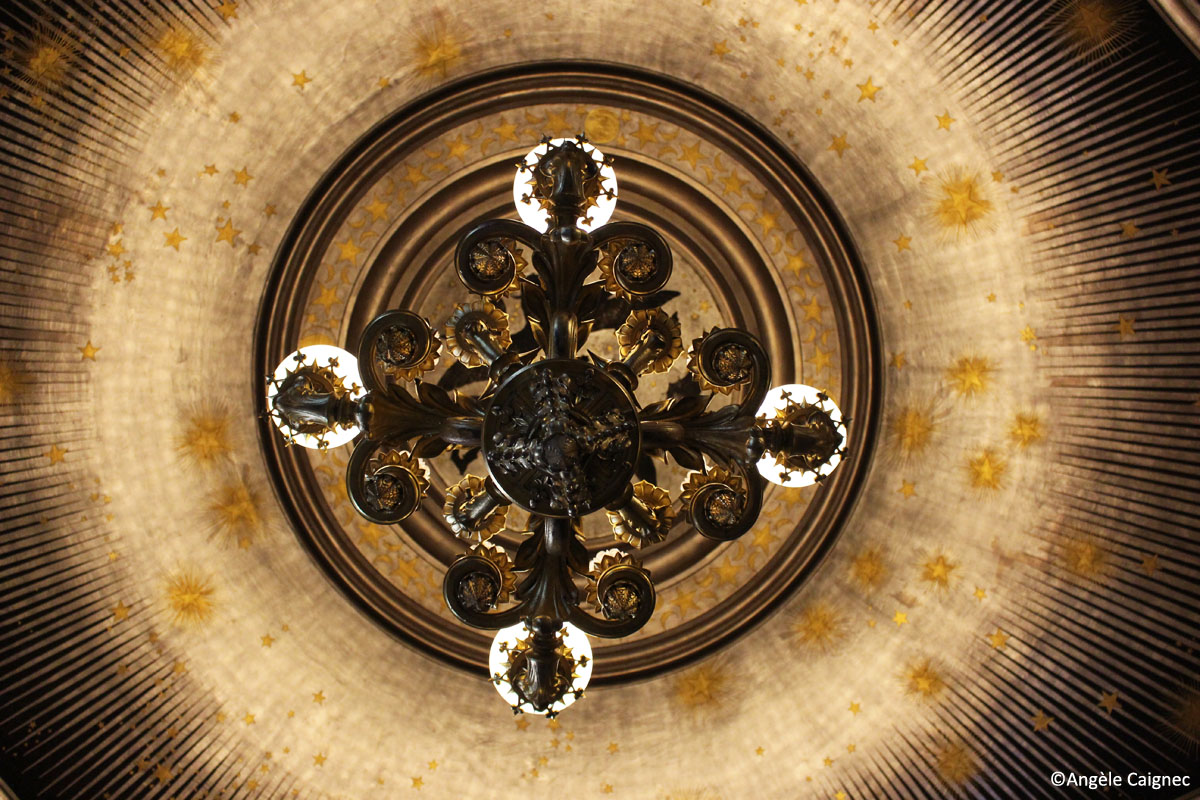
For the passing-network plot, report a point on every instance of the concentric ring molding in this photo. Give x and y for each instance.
(649, 193)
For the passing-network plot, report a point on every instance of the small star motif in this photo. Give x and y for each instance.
(228, 9)
(902, 243)
(210, 169)
(613, 747)
(242, 177)
(268, 640)
(1150, 565)
(56, 454)
(980, 594)
(227, 233)
(1109, 701)
(1129, 230)
(899, 360)
(855, 708)
(1159, 179)
(998, 639)
(907, 489)
(839, 145)
(900, 618)
(758, 751)
(945, 121)
(174, 239)
(720, 49)
(918, 166)
(868, 91)
(120, 611)
(318, 697)
(1040, 721)
(319, 760)
(1125, 326)
(301, 79)
(158, 211)
(248, 719)
(88, 351)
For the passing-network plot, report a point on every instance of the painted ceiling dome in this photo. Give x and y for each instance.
(973, 226)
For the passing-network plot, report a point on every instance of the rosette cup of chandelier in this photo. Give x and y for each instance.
(777, 400)
(537, 217)
(342, 364)
(509, 638)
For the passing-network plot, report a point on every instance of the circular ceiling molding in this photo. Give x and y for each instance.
(343, 262)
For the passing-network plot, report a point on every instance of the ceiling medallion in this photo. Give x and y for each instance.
(560, 431)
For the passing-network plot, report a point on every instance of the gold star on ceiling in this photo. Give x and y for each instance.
(56, 454)
(1150, 565)
(720, 49)
(918, 166)
(868, 90)
(998, 639)
(900, 618)
(1026, 430)
(1159, 179)
(120, 611)
(349, 251)
(1040, 721)
(228, 9)
(174, 239)
(944, 121)
(227, 233)
(268, 640)
(1125, 326)
(898, 360)
(1129, 230)
(318, 697)
(986, 470)
(88, 351)
(1109, 701)
(242, 177)
(158, 211)
(839, 145)
(855, 708)
(902, 242)
(980, 594)
(301, 79)
(319, 760)
(907, 489)
(377, 208)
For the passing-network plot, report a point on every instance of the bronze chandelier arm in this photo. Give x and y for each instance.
(643, 265)
(725, 510)
(384, 485)
(437, 419)
(483, 268)
(471, 588)
(625, 592)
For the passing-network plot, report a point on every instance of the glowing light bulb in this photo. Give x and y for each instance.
(340, 363)
(777, 400)
(537, 217)
(514, 638)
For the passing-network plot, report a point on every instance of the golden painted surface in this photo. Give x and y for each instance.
(932, 635)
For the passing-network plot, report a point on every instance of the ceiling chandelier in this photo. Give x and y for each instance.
(560, 432)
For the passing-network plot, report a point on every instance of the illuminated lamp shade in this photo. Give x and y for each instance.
(537, 217)
(517, 637)
(341, 364)
(778, 400)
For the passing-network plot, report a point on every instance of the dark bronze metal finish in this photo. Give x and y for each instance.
(402, 425)
(561, 436)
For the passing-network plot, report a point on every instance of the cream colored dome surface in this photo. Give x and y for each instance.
(1010, 593)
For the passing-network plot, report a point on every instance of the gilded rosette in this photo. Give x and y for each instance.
(503, 564)
(647, 517)
(481, 318)
(402, 459)
(730, 362)
(458, 497)
(601, 563)
(401, 348)
(697, 479)
(640, 323)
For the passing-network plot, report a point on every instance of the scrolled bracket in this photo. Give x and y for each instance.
(397, 344)
(725, 359)
(626, 596)
(641, 266)
(472, 588)
(385, 485)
